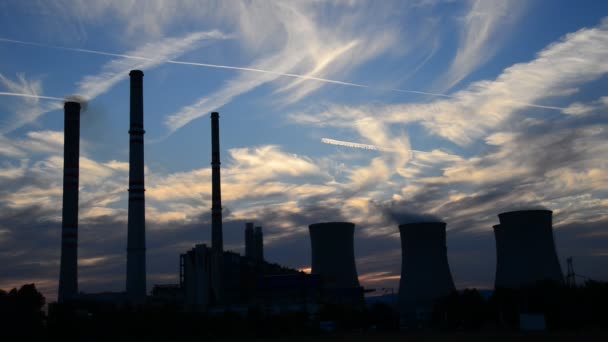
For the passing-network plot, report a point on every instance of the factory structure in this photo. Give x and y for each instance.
(212, 279)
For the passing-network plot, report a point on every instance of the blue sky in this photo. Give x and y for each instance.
(472, 107)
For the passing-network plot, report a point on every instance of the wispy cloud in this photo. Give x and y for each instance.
(484, 29)
(309, 50)
(150, 55)
(469, 114)
(145, 57)
(22, 87)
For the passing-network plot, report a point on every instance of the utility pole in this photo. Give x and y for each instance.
(570, 276)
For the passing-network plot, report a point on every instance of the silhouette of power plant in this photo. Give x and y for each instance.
(425, 273)
(213, 279)
(525, 249)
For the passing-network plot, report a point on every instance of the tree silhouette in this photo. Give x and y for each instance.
(21, 311)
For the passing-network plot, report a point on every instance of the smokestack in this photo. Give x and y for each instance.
(217, 244)
(136, 244)
(249, 243)
(333, 254)
(68, 271)
(425, 272)
(525, 249)
(258, 238)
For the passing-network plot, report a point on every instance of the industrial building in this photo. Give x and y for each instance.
(214, 278)
(525, 249)
(425, 272)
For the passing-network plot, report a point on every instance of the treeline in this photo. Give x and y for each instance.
(21, 311)
(564, 308)
(577, 309)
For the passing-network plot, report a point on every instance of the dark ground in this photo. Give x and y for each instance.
(413, 337)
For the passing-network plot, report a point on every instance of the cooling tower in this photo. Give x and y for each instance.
(136, 235)
(425, 272)
(333, 256)
(68, 272)
(525, 249)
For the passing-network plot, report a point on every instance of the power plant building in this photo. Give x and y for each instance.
(214, 278)
(254, 242)
(425, 272)
(258, 247)
(525, 249)
(249, 242)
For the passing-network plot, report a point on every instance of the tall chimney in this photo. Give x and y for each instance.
(136, 244)
(249, 244)
(258, 238)
(68, 272)
(217, 244)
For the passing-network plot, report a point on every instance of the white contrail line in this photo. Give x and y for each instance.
(363, 146)
(352, 144)
(218, 66)
(2, 93)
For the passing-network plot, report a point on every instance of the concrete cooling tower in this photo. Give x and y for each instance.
(425, 273)
(333, 254)
(333, 259)
(525, 249)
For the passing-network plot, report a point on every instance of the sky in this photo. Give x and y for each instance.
(374, 112)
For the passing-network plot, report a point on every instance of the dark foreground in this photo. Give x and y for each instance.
(413, 337)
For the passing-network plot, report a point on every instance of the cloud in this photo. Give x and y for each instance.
(484, 28)
(23, 86)
(153, 54)
(29, 107)
(484, 105)
(578, 108)
(147, 56)
(308, 48)
(506, 155)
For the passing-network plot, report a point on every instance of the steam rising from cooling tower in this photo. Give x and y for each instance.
(136, 240)
(525, 249)
(425, 273)
(68, 272)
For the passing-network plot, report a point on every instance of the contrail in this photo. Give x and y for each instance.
(352, 144)
(363, 146)
(218, 66)
(2, 93)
